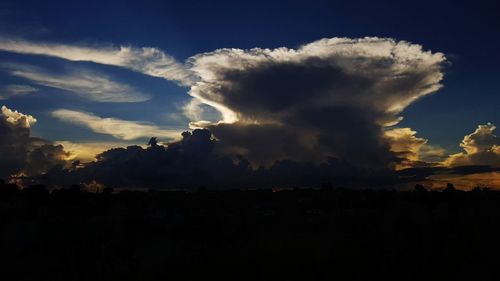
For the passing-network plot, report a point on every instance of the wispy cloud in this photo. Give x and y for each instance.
(118, 128)
(89, 85)
(15, 90)
(147, 60)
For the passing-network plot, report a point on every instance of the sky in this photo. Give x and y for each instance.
(103, 74)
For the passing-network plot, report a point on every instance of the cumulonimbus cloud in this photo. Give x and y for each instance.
(331, 97)
(147, 60)
(118, 128)
(377, 73)
(86, 84)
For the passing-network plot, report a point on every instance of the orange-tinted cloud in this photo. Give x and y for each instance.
(466, 182)
(482, 147)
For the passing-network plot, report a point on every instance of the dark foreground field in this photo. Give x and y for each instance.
(326, 234)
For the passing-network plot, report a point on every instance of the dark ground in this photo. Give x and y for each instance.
(328, 234)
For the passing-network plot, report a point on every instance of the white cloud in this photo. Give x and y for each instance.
(121, 129)
(92, 86)
(193, 109)
(15, 90)
(150, 61)
(377, 73)
(332, 97)
(482, 140)
(17, 119)
(482, 147)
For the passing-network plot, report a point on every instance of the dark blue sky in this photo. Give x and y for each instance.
(468, 34)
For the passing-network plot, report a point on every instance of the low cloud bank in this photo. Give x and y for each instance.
(192, 162)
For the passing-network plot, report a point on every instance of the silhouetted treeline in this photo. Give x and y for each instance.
(319, 234)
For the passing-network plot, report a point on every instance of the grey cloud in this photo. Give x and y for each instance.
(309, 135)
(20, 153)
(192, 162)
(329, 98)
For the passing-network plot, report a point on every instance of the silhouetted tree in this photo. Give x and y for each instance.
(7, 190)
(77, 233)
(326, 187)
(36, 192)
(419, 188)
(153, 141)
(449, 188)
(107, 190)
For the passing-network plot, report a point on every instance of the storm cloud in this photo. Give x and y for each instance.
(329, 98)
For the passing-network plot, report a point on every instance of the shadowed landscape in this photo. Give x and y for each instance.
(324, 233)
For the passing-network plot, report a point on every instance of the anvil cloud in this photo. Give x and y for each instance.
(328, 98)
